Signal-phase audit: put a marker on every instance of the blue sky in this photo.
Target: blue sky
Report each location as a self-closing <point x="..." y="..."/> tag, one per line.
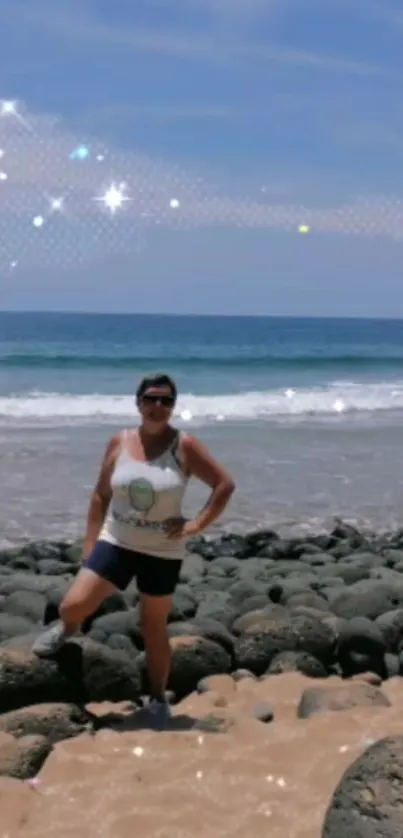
<point x="226" y="125"/>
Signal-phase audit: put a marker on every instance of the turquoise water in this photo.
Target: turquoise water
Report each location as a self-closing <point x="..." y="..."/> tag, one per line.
<point x="76" y="367"/>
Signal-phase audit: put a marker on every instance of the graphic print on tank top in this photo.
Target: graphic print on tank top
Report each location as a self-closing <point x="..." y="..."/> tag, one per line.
<point x="141" y="495"/>
<point x="146" y="493"/>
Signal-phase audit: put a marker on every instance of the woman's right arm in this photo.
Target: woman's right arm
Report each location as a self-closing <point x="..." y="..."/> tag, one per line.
<point x="101" y="496"/>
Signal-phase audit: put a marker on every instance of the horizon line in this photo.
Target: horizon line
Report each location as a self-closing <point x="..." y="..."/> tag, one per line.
<point x="74" y="313"/>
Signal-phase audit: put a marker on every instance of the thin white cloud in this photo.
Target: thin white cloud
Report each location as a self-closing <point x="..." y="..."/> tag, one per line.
<point x="230" y="15"/>
<point x="383" y="11"/>
<point x="367" y="134"/>
<point x="243" y="8"/>
<point x="159" y="113"/>
<point x="78" y="26"/>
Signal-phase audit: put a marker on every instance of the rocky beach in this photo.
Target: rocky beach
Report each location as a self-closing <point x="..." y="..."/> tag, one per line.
<point x="285" y="692"/>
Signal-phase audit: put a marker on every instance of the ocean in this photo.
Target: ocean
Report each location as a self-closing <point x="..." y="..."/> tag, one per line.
<point x="306" y="413"/>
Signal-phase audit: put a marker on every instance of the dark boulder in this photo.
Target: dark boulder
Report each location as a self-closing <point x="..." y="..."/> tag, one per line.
<point x="11" y="626"/>
<point x="287" y="589"/>
<point x="259" y="620"/>
<point x="53" y="721"/>
<point x="209" y="629"/>
<point x="82" y="671"/>
<point x="361" y="648"/>
<point x="256" y="647"/>
<point x="193" y="567"/>
<point x="53" y="567"/>
<point x="252" y="603"/>
<point x="366" y="599"/>
<point x="310" y="600"/>
<point x="122" y="644"/>
<point x="119" y="622"/>
<point x="195" y="658"/>
<point x="392" y="666"/>
<point x="368" y="801"/>
<point x="297" y="662"/>
<point x="184" y="604"/>
<point x="225" y="567"/>
<point x="217" y="605"/>
<point x="391" y="627"/>
<point x="32" y="582"/>
<point x="26" y="604"/>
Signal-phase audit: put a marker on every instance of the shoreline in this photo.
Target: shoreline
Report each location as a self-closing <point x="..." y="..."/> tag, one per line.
<point x="279" y="641"/>
<point x="312" y="529"/>
<point x="315" y="529"/>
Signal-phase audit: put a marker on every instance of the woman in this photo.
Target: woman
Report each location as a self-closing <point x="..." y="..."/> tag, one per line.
<point x="135" y="526"/>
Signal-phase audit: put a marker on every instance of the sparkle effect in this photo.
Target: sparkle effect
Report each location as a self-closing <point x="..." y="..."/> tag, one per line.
<point x="56" y="204"/>
<point x="114" y="197"/>
<point x="8" y="107"/>
<point x="51" y="179"/>
<point x="82" y="152"/>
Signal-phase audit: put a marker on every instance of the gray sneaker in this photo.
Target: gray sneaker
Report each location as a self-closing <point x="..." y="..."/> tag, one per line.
<point x="160" y="713"/>
<point x="50" y="641"/>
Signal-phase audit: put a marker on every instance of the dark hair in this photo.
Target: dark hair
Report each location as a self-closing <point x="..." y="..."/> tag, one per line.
<point x="159" y="380"/>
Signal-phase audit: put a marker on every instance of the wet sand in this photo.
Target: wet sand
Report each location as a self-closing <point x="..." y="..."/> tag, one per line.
<point x="253" y="781"/>
<point x="305" y="472"/>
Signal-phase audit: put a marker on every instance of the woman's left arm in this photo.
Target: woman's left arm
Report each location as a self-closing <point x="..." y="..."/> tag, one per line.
<point x="199" y="463"/>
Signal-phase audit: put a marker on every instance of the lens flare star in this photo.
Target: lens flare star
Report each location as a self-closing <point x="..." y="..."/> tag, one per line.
<point x="82" y="152"/>
<point x="56" y="204"/>
<point x="114" y="197"/>
<point x="9" y="109"/>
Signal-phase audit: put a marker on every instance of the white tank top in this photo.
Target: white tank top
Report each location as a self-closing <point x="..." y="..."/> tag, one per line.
<point x="144" y="494"/>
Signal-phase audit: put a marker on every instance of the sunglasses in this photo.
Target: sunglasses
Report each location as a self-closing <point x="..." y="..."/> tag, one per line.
<point x="165" y="401"/>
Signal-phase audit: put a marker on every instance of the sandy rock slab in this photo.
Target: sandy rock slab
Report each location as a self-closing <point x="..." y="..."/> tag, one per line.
<point x="15" y="803"/>
<point x="290" y="777"/>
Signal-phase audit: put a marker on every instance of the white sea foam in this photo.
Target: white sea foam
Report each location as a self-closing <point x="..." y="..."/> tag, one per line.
<point x="333" y="400"/>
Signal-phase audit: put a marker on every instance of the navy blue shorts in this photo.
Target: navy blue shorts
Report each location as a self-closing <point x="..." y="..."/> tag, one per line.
<point x="154" y="576"/>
